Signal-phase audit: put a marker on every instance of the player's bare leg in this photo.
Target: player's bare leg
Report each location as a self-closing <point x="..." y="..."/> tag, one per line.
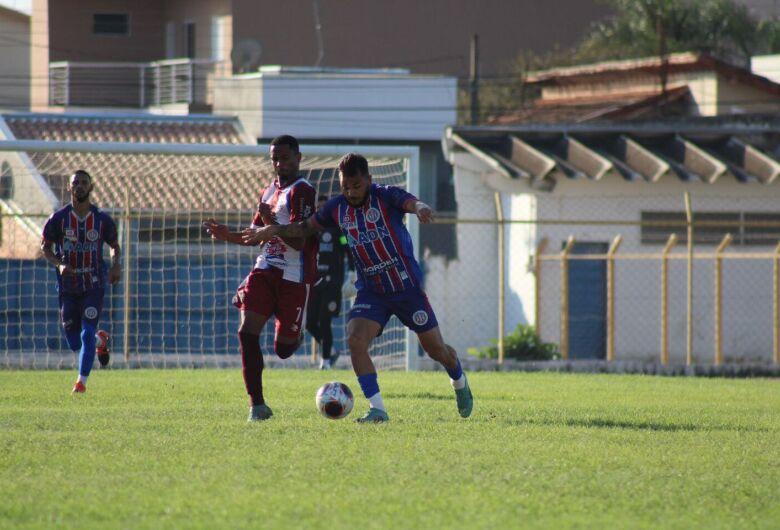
<point x="252" y="363"/>
<point x="360" y="333"/>
<point x="434" y="345"/>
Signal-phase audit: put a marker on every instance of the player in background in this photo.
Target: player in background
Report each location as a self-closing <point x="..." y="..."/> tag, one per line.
<point x="333" y="258"/>
<point x="370" y="217"/>
<point x="280" y="281"/>
<point x="72" y="242"/>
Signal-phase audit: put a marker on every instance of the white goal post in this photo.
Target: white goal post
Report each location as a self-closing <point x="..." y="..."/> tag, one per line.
<point x="172" y="307"/>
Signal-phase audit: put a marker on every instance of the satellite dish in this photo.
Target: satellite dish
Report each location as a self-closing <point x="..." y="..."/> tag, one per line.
<point x="246" y="55"/>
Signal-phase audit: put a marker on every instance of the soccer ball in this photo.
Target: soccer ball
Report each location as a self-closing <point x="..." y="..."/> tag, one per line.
<point x="334" y="400"/>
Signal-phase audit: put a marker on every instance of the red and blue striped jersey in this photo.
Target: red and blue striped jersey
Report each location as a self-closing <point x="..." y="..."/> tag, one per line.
<point x="79" y="242"/>
<point x="376" y="235"/>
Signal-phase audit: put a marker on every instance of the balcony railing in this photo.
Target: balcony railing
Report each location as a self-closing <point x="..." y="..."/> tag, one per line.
<point x="138" y="85"/>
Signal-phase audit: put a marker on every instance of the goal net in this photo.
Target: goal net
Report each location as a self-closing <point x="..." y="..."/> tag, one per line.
<point x="172" y="307"/>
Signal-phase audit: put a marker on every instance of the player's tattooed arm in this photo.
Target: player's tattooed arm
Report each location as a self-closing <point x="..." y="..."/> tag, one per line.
<point x="420" y="209"/>
<point x="299" y="229"/>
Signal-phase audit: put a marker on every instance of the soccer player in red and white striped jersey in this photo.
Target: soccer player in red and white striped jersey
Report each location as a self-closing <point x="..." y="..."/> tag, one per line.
<point x="389" y="277"/>
<point x="280" y="282"/>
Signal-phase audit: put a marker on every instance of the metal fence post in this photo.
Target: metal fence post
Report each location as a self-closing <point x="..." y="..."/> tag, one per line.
<point x="565" y="297"/>
<point x="128" y="236"/>
<point x="501" y="287"/>
<point x="611" y="297"/>
<point x="689" y="319"/>
<point x="719" y="298"/>
<point x="540" y="248"/>
<point x="671" y="242"/>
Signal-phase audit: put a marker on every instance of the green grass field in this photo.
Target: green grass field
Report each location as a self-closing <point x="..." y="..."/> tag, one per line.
<point x="172" y="449"/>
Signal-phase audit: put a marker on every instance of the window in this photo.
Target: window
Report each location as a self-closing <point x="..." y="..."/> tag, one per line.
<point x="189" y="40"/>
<point x="746" y="228"/>
<point x="6" y="181"/>
<point x="111" y="24"/>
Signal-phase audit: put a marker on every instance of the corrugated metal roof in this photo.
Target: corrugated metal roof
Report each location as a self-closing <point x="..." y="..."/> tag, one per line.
<point x="694" y="150"/>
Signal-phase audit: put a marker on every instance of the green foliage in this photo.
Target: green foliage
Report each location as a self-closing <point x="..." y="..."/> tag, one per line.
<point x="522" y="344"/>
<point x="645" y="28"/>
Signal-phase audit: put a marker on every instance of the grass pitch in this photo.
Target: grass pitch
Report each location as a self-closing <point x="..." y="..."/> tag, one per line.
<point x="172" y="449"/>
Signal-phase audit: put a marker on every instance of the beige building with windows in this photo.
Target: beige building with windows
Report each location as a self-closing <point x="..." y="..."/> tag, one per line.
<point x="15" y="59"/>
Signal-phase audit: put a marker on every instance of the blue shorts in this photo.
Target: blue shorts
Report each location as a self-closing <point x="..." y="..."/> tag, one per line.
<point x="76" y="308"/>
<point x="410" y="306"/>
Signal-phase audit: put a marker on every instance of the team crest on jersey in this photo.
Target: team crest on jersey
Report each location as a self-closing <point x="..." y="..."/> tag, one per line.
<point x="332" y="307"/>
<point x="420" y="317"/>
<point x="90" y="312"/>
<point x="372" y="215"/>
<point x="326" y="237"/>
<point x="92" y="235"/>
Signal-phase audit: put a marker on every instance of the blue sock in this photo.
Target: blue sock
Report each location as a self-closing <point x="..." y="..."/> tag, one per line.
<point x="74" y="339"/>
<point x="87" y="354"/>
<point x="368" y="384"/>
<point x="456" y="372"/>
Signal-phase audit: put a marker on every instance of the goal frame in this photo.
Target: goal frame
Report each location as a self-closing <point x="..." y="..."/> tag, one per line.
<point x="409" y="152"/>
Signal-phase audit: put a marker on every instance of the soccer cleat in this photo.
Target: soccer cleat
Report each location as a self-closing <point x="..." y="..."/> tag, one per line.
<point x="465" y="400"/>
<point x="325" y="364"/>
<point x="101" y="348"/>
<point x="259" y="412"/>
<point x="374" y="416"/>
<point x="79" y="388"/>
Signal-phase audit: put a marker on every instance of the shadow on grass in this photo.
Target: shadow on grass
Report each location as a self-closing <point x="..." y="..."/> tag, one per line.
<point x="420" y="395"/>
<point x="604" y="423"/>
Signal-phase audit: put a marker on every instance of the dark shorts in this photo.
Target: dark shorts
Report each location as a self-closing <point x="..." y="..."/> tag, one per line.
<point x="266" y="293"/>
<point x="76" y="308"/>
<point x="410" y="306"/>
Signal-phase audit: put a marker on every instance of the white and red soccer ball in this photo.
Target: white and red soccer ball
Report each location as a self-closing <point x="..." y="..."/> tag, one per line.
<point x="334" y="400"/>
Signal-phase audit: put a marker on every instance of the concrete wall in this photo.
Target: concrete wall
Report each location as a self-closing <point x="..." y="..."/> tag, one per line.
<point x="428" y="37"/>
<point x="15" y="60"/>
<point x="464" y="291"/>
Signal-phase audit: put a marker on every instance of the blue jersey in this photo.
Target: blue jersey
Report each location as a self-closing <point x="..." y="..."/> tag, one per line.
<point x="379" y="241"/>
<point x="78" y="243"/>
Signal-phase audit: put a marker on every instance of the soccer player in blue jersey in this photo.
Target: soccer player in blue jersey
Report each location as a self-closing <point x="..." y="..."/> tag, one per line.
<point x="389" y="279"/>
<point x="73" y="240"/>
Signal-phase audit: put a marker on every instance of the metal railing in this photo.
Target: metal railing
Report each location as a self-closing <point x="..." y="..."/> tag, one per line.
<point x="132" y="84"/>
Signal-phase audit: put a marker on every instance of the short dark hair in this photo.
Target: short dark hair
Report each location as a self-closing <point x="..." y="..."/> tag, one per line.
<point x="82" y="172"/>
<point x="288" y="140"/>
<point x="353" y="164"/>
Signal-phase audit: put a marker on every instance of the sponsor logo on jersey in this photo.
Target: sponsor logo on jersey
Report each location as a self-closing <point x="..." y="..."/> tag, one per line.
<point x="92" y="235"/>
<point x="380" y="267"/>
<point x="70" y="234"/>
<point x="372" y="215"/>
<point x="90" y="312"/>
<point x="420" y="317"/>
<point x="361" y="306"/>
<point x="69" y="246"/>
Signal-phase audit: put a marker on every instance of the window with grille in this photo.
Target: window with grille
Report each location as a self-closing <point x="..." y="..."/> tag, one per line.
<point x="746" y="228"/>
<point x="111" y="24"/>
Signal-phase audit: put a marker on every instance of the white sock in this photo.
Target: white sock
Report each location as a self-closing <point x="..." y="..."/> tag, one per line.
<point x="459" y="383"/>
<point x="376" y="402"/>
<point x="83" y="379"/>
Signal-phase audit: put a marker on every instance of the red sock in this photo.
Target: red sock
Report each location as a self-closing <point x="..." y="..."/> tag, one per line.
<point x="252" y="364"/>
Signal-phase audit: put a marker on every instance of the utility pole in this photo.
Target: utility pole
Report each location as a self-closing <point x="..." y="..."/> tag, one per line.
<point x="474" y="79"/>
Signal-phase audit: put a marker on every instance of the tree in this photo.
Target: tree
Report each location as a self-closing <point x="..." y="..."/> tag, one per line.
<point x="645" y="28"/>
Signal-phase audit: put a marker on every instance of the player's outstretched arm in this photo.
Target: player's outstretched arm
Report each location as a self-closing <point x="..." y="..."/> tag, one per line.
<point x="221" y="232"/>
<point x="300" y="229"/>
<point x="423" y="212"/>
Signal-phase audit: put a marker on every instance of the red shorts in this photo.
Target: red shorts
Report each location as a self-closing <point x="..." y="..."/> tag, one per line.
<point x="266" y="293"/>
